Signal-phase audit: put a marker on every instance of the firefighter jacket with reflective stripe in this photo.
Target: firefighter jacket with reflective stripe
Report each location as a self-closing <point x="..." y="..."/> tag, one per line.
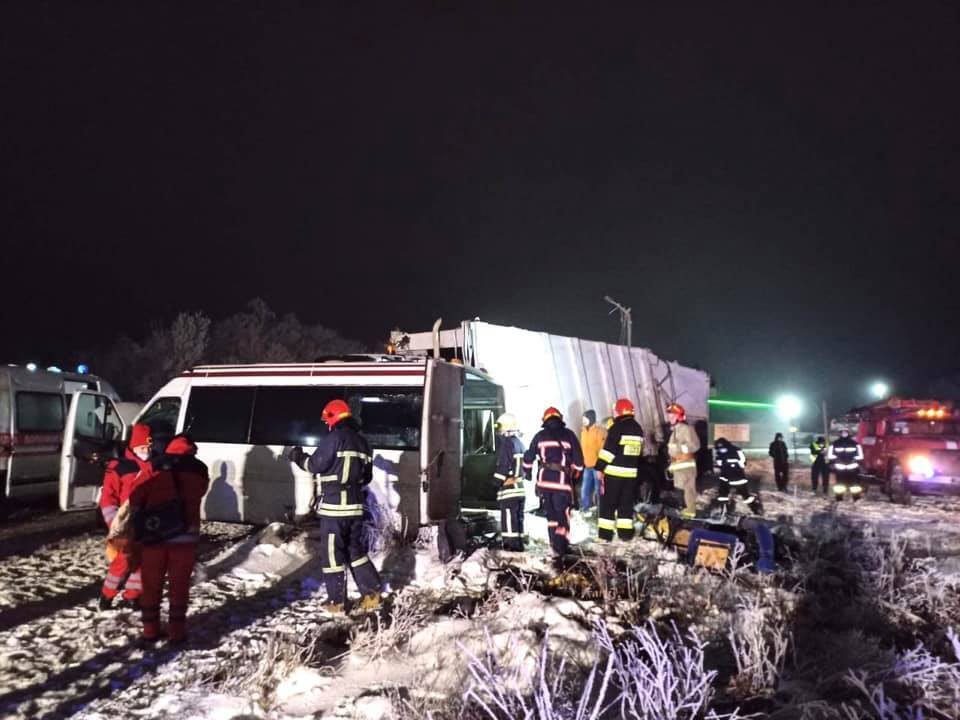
<point x="683" y="445"/>
<point x="730" y="462"/>
<point x="557" y="450"/>
<point x="845" y="454"/>
<point x="622" y="450"/>
<point x="343" y="465"/>
<point x="509" y="469"/>
<point x="118" y="482"/>
<point x="818" y="451"/>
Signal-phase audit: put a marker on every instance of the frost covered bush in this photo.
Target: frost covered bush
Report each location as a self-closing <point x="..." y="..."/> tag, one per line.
<point x="918" y="681"/>
<point x="378" y="638"/>
<point x="759" y="637"/>
<point x="648" y="675"/>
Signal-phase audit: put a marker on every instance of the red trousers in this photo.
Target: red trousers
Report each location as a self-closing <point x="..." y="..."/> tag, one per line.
<point x="118" y="574"/>
<point x="173" y="562"/>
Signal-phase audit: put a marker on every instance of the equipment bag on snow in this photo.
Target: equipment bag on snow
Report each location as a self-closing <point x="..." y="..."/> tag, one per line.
<point x="711" y="549"/>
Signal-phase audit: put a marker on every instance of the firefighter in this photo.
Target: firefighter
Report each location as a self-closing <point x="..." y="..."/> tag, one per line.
<point x="618" y="464"/>
<point x="818" y="467"/>
<point x="731" y="468"/>
<point x="683" y="446"/>
<point x="844" y="457"/>
<point x="781" y="461"/>
<point x="177" y="486"/>
<point x="592" y="437"/>
<point x="343" y="463"/>
<point x="509" y="477"/>
<point x="118" y="481"/>
<point x="558" y="451"/>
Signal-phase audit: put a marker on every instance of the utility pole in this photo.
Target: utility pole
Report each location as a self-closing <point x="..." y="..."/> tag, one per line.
<point x="626" y="321"/>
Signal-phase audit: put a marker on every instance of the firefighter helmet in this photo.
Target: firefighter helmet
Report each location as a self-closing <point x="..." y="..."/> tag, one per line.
<point x="677" y="410"/>
<point x="622" y="407"/>
<point x="334" y="412"/>
<point x="552" y="412"/>
<point x="507" y="422"/>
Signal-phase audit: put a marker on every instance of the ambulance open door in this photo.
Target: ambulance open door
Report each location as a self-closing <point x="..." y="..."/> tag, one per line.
<point x="94" y="429"/>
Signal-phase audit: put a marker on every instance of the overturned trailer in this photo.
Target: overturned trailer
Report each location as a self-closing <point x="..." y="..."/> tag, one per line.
<point x="537" y="370"/>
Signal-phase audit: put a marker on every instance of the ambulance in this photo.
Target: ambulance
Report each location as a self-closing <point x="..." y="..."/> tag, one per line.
<point x="33" y="408"/>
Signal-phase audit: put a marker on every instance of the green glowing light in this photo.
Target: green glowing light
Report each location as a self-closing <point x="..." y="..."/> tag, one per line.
<point x="741" y="403"/>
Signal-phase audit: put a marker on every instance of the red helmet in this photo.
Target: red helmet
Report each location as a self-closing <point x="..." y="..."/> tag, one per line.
<point x="677" y="410"/>
<point x="334" y="412"/>
<point x="622" y="407"/>
<point x="551" y="412"/>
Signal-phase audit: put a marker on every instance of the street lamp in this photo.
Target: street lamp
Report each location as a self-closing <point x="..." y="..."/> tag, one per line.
<point x="789" y="407"/>
<point x="879" y="389"/>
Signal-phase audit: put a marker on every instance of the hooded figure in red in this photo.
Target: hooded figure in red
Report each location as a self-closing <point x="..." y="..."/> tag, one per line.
<point x="183" y="479"/>
<point x="119" y="480"/>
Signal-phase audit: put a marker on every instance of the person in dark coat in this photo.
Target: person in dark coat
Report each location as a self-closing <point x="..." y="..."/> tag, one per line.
<point x="781" y="462"/>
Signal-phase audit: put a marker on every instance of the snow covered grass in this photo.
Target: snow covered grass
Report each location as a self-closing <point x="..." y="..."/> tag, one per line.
<point x="650" y="674"/>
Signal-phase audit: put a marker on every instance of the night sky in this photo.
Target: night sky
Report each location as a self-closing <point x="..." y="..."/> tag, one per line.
<point x="775" y="192"/>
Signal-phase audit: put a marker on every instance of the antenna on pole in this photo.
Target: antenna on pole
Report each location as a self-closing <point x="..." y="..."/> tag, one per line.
<point x="626" y="321"/>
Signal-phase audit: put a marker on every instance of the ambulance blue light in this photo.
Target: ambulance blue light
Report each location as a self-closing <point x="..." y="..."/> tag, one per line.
<point x="82" y="369"/>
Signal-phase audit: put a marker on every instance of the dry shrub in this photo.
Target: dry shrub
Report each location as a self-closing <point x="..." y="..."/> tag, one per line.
<point x="649" y="675"/>
<point x="377" y="638"/>
<point x="759" y="636"/>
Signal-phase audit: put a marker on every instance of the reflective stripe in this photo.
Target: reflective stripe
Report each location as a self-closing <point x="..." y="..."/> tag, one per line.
<point x="360" y="561"/>
<point x="352" y="454"/>
<point x="606" y="524"/>
<point x="329" y="478"/>
<point x="578" y="468"/>
<point x="109" y="513"/>
<point x="750" y="499"/>
<point x="331" y="506"/>
<point x="606" y="455"/>
<point x="345" y="472"/>
<point x="509" y="523"/>
<point x="737" y="483"/>
<point x="631" y="439"/>
<point x="511" y="493"/>
<point x="554" y="486"/>
<point x="839" y="489"/>
<point x="332" y="555"/>
<point x="682" y="465"/>
<point x="500" y="476"/>
<point x="856" y="489"/>
<point x="722" y="499"/>
<point x="625" y="523"/>
<point x="620" y="471"/>
<point x="511" y="535"/>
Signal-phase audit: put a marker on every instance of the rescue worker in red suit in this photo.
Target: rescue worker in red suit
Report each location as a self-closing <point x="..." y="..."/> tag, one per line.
<point x="179" y="476"/>
<point x="344" y="466"/>
<point x="618" y="464"/>
<point x="118" y="481"/>
<point x="558" y="452"/>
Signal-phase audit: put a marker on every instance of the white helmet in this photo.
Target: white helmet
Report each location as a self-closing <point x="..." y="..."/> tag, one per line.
<point x="508" y="423"/>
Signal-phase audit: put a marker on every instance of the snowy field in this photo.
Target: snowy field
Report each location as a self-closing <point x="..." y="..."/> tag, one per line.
<point x="855" y="624"/>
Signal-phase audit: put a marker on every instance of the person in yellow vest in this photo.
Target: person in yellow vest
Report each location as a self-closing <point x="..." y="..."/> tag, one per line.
<point x="591" y="440"/>
<point x="683" y="446"/>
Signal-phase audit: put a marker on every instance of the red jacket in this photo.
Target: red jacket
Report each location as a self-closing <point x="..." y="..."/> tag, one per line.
<point x="118" y="482"/>
<point x="180" y="474"/>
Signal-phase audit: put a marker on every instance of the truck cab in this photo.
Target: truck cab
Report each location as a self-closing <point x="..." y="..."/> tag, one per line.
<point x="910" y="447"/>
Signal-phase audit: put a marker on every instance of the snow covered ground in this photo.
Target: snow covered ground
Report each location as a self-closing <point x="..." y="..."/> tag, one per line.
<point x="261" y="646"/>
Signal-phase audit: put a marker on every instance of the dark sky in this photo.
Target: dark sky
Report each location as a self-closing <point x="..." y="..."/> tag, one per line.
<point x="775" y="192"/>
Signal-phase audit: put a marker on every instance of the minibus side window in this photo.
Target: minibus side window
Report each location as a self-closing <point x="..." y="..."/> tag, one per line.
<point x="389" y="418"/>
<point x="164" y="412"/>
<point x="219" y="414"/>
<point x="290" y="415"/>
<point x="39" y="412"/>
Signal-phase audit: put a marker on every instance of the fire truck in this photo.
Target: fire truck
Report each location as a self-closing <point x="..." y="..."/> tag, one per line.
<point x="910" y="446"/>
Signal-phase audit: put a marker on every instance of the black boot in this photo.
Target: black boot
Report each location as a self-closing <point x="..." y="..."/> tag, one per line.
<point x="129" y="604"/>
<point x="105" y="603"/>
